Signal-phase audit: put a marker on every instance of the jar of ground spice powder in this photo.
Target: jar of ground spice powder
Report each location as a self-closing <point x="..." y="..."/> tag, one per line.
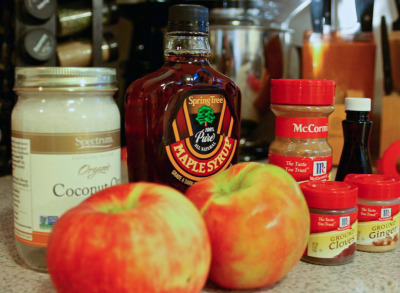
<point x="333" y="219"/>
<point x="378" y="211"/>
<point x="301" y="108"/>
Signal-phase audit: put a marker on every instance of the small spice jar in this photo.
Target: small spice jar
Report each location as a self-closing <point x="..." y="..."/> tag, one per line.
<point x="79" y="52"/>
<point x="65" y="147"/>
<point x="301" y="108"/>
<point x="333" y="219"/>
<point x="378" y="211"/>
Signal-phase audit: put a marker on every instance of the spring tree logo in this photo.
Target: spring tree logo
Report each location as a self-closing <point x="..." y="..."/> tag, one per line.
<point x="205" y="115"/>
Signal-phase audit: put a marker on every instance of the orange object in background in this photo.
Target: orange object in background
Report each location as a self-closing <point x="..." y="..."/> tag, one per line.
<point x="350" y="63"/>
<point x="389" y="163"/>
<point x="347" y="61"/>
<point x="394" y="43"/>
<point x="390" y="126"/>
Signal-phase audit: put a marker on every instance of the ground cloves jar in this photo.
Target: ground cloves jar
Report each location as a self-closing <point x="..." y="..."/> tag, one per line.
<point x="333" y="220"/>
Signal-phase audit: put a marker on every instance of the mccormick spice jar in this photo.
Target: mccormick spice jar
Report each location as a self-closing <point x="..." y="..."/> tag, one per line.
<point x="301" y="109"/>
<point x="378" y="211"/>
<point x="65" y="147"/>
<point x="333" y="219"/>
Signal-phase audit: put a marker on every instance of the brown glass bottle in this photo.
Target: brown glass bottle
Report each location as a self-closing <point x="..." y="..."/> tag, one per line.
<point x="355" y="158"/>
<point x="182" y="121"/>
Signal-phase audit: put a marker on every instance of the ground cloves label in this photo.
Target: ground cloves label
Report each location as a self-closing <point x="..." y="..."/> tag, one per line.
<point x="332" y="236"/>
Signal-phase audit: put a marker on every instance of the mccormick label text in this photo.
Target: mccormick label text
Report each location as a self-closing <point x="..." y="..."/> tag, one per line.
<point x="301" y="127"/>
<point x="304" y="168"/>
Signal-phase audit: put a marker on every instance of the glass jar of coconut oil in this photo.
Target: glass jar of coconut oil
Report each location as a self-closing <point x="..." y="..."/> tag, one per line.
<point x="65" y="147"/>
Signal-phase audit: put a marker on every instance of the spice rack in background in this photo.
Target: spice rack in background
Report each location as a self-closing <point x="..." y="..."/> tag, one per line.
<point x="81" y="36"/>
<point x="49" y="33"/>
<point x="35" y="28"/>
<point x="64" y="33"/>
<point x="7" y="99"/>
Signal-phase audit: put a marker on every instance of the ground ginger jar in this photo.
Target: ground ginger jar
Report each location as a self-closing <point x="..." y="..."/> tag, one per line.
<point x="378" y="211"/>
<point x="301" y="108"/>
<point x="333" y="222"/>
<point x="65" y="147"/>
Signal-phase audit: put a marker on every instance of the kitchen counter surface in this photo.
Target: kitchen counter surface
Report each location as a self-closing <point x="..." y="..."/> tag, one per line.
<point x="369" y="272"/>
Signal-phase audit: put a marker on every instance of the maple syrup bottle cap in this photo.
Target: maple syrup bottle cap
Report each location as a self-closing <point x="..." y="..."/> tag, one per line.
<point x="357" y="104"/>
<point x="188" y="17"/>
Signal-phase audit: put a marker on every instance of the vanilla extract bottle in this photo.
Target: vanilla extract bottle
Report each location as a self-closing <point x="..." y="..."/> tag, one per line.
<point x="355" y="158"/>
<point x="182" y="121"/>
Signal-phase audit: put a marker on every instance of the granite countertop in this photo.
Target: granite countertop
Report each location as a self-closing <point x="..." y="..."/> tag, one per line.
<point x="369" y="272"/>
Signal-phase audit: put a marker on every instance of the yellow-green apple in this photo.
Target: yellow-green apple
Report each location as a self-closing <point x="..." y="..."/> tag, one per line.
<point x="258" y="223"/>
<point x="137" y="237"/>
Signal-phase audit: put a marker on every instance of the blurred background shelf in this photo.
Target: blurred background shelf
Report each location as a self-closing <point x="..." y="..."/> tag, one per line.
<point x="252" y="41"/>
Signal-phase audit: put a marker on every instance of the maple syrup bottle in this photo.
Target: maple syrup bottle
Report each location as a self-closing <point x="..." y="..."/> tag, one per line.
<point x="182" y="121"/>
<point x="355" y="158"/>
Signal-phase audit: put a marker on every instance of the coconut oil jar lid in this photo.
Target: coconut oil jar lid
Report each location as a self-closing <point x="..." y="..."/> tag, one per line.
<point x="65" y="79"/>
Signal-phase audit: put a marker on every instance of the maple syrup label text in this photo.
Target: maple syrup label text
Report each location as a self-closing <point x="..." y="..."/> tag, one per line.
<point x="202" y="129"/>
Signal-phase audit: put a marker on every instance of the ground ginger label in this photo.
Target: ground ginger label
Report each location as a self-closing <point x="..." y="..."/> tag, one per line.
<point x="378" y="225"/>
<point x="332" y="236"/>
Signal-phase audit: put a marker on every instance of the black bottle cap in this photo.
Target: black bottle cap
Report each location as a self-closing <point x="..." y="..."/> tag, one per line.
<point x="39" y="9"/>
<point x="39" y="45"/>
<point x="187" y="17"/>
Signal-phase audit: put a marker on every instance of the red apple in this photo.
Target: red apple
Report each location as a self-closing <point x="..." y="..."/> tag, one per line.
<point x="258" y="223"/>
<point x="137" y="237"/>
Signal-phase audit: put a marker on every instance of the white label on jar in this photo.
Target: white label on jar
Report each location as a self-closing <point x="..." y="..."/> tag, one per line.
<point x="55" y="172"/>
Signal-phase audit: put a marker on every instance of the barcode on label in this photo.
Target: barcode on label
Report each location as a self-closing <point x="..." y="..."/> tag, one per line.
<point x="386" y="212"/>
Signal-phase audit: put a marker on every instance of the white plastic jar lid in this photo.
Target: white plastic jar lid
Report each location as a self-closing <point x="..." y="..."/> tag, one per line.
<point x="357" y="104"/>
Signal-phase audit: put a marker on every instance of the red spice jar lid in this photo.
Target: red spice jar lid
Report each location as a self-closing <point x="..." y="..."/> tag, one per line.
<point x="303" y="91"/>
<point x="375" y="186"/>
<point x="329" y="194"/>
